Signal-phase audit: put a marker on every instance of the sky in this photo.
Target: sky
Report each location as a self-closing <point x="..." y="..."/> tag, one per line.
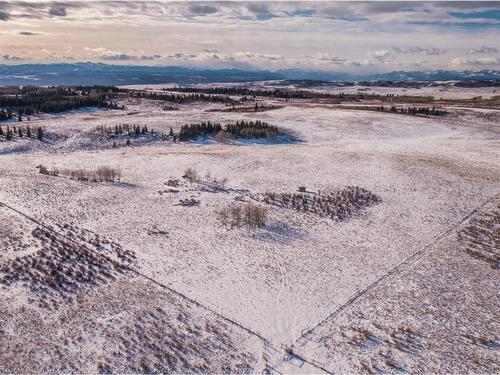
<point x="355" y="37"/>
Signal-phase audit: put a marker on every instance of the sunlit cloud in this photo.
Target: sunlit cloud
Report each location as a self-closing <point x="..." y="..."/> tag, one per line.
<point x="350" y="36"/>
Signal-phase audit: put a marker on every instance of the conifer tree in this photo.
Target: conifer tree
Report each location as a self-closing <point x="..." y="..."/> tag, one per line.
<point x="39" y="133"/>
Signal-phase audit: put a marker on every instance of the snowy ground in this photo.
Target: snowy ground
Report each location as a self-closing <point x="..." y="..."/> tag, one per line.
<point x="445" y="90"/>
<point x="280" y="280"/>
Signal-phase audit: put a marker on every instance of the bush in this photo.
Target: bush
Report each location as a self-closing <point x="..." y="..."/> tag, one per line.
<point x="102" y="174"/>
<point x="249" y="216"/>
<point x="191" y="175"/>
<point x="337" y="205"/>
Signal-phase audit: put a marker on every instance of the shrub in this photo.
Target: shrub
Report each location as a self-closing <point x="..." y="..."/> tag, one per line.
<point x="102" y="174"/>
<point x="191" y="175"/>
<point x="338" y="205"/>
<point x="249" y="216"/>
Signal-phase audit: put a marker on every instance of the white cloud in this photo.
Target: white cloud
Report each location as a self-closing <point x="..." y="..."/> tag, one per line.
<point x="415" y="50"/>
<point x="483" y="49"/>
<point x="308" y="34"/>
<point x="111" y="55"/>
<point x="381" y="53"/>
<point x="482" y="61"/>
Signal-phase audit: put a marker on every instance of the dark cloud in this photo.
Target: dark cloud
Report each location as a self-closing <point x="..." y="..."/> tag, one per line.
<point x="58" y="10"/>
<point x="202" y="9"/>
<point x="258" y="8"/>
<point x="10" y="58"/>
<point x="27" y="33"/>
<point x="4" y="16"/>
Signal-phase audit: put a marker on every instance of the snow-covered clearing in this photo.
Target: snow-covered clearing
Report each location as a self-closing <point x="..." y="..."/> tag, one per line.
<point x="279" y="280"/>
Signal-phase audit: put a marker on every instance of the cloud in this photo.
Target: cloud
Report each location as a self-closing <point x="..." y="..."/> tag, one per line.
<point x="331" y="59"/>
<point x="381" y="53"/>
<point x="483" y="49"/>
<point x="110" y="55"/>
<point x="4" y="16"/>
<point x="426" y="51"/>
<point x="180" y="31"/>
<point x="27" y="33"/>
<point x="129" y="57"/>
<point x="258" y="8"/>
<point x="488" y="61"/>
<point x="10" y="58"/>
<point x="58" y="10"/>
<point x="202" y="9"/>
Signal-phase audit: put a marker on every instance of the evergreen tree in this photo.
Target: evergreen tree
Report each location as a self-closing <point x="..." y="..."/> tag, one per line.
<point x="39" y="133"/>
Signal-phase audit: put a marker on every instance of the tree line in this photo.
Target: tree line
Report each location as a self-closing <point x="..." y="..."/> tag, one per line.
<point x="20" y="132"/>
<point x="247" y="92"/>
<point x="239" y="129"/>
<point x="181" y="98"/>
<point x="134" y="130"/>
<point x="426" y="111"/>
<point x="29" y="101"/>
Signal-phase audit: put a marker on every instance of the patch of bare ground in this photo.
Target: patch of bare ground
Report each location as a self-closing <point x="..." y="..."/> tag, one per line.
<point x="441" y="316"/>
<point x="129" y="326"/>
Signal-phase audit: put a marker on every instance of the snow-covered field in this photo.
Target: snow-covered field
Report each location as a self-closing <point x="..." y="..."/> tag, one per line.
<point x="276" y="282"/>
<point x="444" y="90"/>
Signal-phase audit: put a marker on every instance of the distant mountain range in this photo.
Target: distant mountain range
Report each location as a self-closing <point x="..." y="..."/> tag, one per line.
<point x="103" y="74"/>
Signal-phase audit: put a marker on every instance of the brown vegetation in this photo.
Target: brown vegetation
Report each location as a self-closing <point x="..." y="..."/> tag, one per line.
<point x="480" y="239"/>
<point x="101" y="174"/>
<point x="61" y="267"/>
<point x="339" y="204"/>
<point x="249" y="216"/>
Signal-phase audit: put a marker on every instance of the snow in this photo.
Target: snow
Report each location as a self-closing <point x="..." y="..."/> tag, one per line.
<point x="288" y="276"/>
